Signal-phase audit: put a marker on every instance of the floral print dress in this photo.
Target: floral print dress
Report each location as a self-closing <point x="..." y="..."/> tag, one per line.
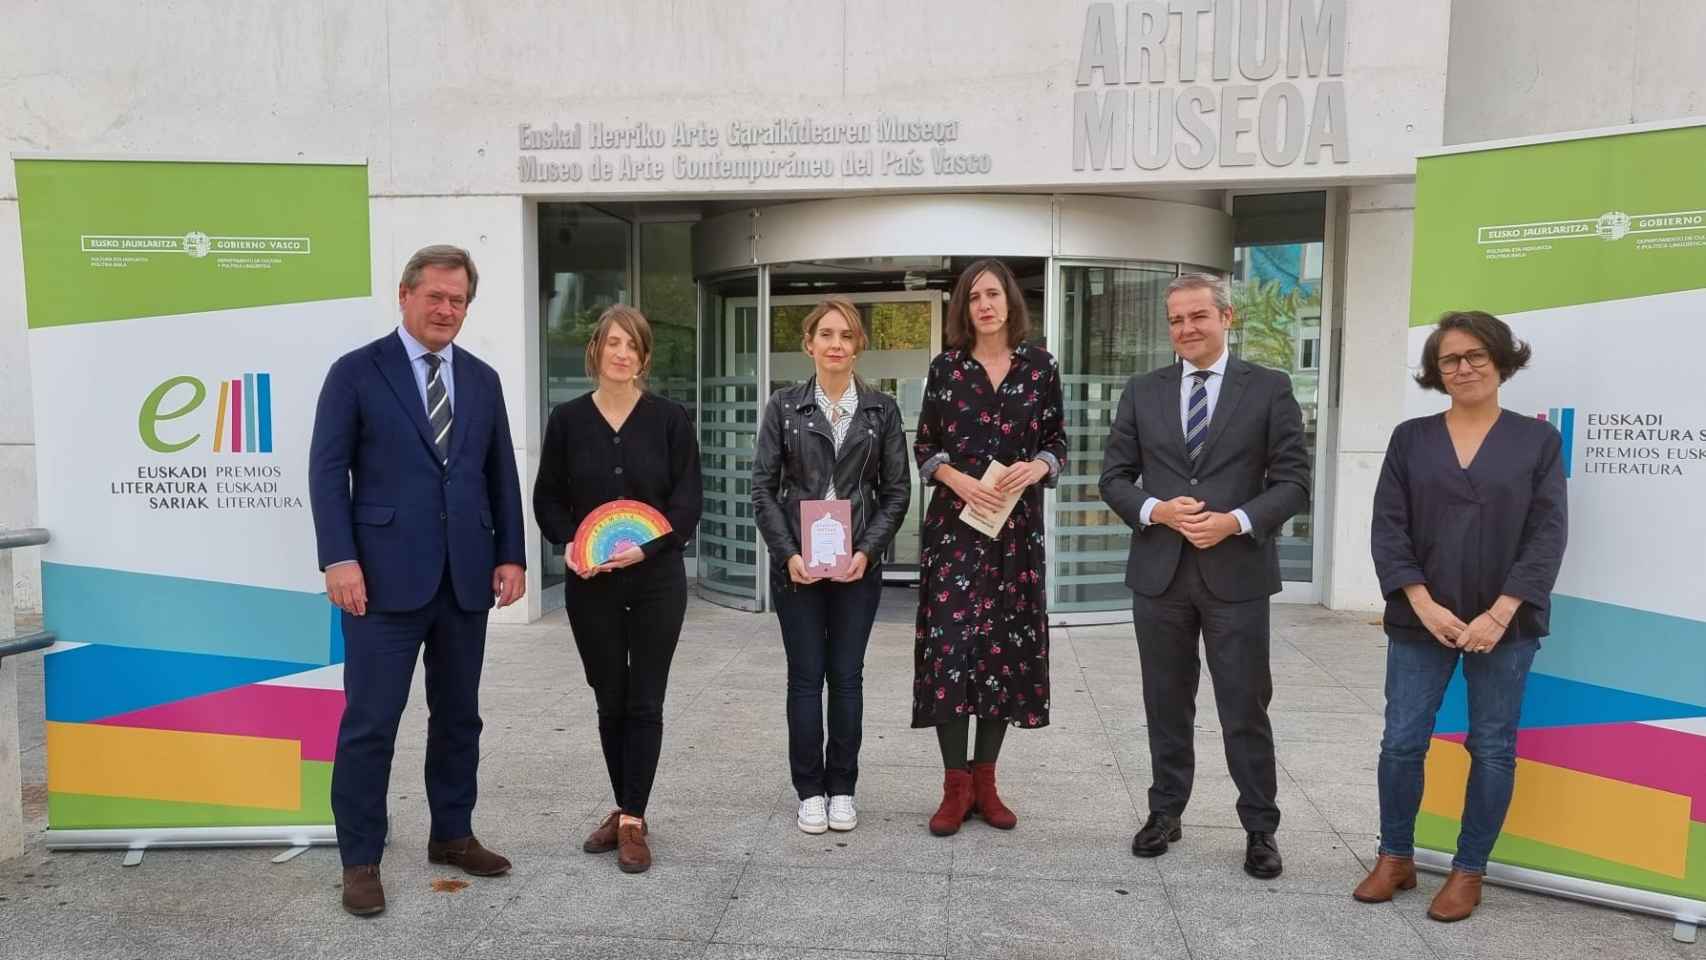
<point x="982" y="639"/>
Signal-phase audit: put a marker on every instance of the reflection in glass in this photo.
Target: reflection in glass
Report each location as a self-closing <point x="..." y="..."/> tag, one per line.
<point x="1113" y="324"/>
<point x="583" y="269"/>
<point x="1276" y="289"/>
<point x="728" y="431"/>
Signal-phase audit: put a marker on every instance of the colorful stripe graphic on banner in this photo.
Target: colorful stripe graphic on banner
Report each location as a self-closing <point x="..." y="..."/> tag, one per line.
<point x="1564" y="419"/>
<point x="244" y="412"/>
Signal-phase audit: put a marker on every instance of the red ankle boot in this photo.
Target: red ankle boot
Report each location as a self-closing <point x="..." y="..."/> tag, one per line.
<point x="986" y="802"/>
<point x="956" y="803"/>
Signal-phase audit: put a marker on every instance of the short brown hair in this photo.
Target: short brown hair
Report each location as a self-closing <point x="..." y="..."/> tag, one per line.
<point x="440" y="255"/>
<point x="848" y="311"/>
<point x="1507" y="352"/>
<point x="1200" y="281"/>
<point x="957" y="330"/>
<point x="634" y="324"/>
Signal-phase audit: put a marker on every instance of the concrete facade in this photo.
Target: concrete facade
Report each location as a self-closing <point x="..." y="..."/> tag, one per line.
<point x="436" y="95"/>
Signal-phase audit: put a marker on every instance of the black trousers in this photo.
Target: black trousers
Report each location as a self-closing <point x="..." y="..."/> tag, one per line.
<point x="826" y="627"/>
<point x="380" y="650"/>
<point x="626" y="624"/>
<point x="1235" y="640"/>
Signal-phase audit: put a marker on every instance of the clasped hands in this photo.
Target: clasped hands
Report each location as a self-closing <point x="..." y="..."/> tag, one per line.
<point x="991" y="499"/>
<point x="1479" y="635"/>
<point x="1195" y="522"/>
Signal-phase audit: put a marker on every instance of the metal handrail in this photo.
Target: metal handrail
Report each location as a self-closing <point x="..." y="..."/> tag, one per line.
<point x="41" y="639"/>
<point x="24" y="537"/>
<point x="28" y="643"/>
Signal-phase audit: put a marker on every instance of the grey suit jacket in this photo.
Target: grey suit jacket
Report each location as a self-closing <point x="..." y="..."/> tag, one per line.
<point x="1254" y="459"/>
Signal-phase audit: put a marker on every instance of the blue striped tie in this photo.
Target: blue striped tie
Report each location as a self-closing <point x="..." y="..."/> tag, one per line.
<point x="438" y="408"/>
<point x="1196" y="415"/>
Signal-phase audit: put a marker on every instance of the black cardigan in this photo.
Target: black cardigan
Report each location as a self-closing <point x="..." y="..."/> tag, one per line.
<point x="654" y="458"/>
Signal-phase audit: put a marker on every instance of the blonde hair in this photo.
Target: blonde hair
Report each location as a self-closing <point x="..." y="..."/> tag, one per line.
<point x="849" y="313"/>
<point x="634" y="324"/>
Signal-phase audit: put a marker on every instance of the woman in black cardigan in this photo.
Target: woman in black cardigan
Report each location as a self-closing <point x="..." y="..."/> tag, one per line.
<point x="621" y="442"/>
<point x="1469" y="530"/>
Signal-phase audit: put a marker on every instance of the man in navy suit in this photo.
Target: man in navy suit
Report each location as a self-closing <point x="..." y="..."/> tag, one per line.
<point x="417" y="513"/>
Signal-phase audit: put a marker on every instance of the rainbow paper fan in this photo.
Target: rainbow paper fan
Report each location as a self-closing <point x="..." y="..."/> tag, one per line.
<point x="613" y="528"/>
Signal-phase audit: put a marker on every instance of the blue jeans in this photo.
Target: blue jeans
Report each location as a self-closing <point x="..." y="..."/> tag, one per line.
<point x="825" y="629"/>
<point x="1418" y="667"/>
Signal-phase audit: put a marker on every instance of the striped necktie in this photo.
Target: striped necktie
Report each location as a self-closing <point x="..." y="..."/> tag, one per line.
<point x="1196" y="415"/>
<point x="438" y="407"/>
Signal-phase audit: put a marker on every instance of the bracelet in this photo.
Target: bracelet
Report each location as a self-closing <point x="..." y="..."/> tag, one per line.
<point x="1503" y="625"/>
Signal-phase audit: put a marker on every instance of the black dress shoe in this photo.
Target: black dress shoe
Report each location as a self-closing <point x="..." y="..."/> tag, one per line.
<point x="1158" y="831"/>
<point x="1262" y="856"/>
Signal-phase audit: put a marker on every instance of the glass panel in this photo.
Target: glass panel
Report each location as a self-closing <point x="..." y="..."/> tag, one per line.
<point x="728" y="430"/>
<point x="668" y="297"/>
<point x="1276" y="288"/>
<point x="584" y="268"/>
<point x="896" y="362"/>
<point x="1113" y="324"/>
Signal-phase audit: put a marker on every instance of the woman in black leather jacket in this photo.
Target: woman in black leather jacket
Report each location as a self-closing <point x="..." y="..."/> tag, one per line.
<point x="831" y="437"/>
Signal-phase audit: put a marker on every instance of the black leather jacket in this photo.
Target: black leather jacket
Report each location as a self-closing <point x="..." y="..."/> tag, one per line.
<point x="795" y="459"/>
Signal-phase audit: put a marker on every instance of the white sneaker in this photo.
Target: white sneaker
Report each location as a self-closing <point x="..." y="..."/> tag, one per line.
<point x="812" y="818"/>
<point x="843" y="815"/>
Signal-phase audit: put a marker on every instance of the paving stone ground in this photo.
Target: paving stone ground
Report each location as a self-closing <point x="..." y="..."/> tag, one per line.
<point x="735" y="879"/>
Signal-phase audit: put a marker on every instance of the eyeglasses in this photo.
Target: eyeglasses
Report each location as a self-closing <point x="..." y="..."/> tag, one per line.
<point x="1477" y="359"/>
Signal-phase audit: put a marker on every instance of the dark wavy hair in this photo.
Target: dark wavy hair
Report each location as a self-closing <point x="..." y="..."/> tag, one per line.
<point x="1507" y="352"/>
<point x="958" y="331"/>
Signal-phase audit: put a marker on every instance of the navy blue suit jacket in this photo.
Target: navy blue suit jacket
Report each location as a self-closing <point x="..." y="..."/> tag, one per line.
<point x="380" y="496"/>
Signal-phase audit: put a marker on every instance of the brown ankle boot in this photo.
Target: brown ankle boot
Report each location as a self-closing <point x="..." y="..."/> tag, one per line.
<point x="603" y="839"/>
<point x="1390" y="875"/>
<point x="987" y="802"/>
<point x="1458" y="898"/>
<point x="364" y="895"/>
<point x="632" y="853"/>
<point x="956" y="803"/>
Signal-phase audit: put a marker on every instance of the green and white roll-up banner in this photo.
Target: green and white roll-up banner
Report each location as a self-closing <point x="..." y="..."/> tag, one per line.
<point x="1593" y="247"/>
<point x="181" y="318"/>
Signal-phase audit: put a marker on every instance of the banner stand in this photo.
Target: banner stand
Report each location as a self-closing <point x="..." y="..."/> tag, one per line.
<point x="181" y="316"/>
<point x="1688" y="914"/>
<point x="138" y="840"/>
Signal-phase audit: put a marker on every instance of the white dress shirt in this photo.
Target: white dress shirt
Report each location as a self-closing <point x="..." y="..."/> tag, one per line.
<point x="1211" y="386"/>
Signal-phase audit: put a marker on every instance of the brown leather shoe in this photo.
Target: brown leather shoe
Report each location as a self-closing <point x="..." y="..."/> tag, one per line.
<point x="632" y="853"/>
<point x="603" y="838"/>
<point x="1458" y="898"/>
<point x="1390" y="875"/>
<point x="467" y="853"/>
<point x="986" y="802"/>
<point x="956" y="803"/>
<point x="364" y="895"/>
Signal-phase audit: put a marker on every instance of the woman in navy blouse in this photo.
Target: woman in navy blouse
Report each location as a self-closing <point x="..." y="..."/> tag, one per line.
<point x="1469" y="529"/>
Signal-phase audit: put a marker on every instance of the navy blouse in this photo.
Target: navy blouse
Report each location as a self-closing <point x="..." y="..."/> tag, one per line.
<point x="1471" y="534"/>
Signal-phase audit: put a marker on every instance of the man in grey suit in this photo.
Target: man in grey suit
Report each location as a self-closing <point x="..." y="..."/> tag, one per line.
<point x="1206" y="462"/>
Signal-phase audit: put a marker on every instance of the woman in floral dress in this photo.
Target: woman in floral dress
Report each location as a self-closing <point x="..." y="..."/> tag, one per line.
<point x="982" y="641"/>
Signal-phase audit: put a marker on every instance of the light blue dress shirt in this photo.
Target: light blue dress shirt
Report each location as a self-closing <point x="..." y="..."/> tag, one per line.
<point x="416" y="350"/>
